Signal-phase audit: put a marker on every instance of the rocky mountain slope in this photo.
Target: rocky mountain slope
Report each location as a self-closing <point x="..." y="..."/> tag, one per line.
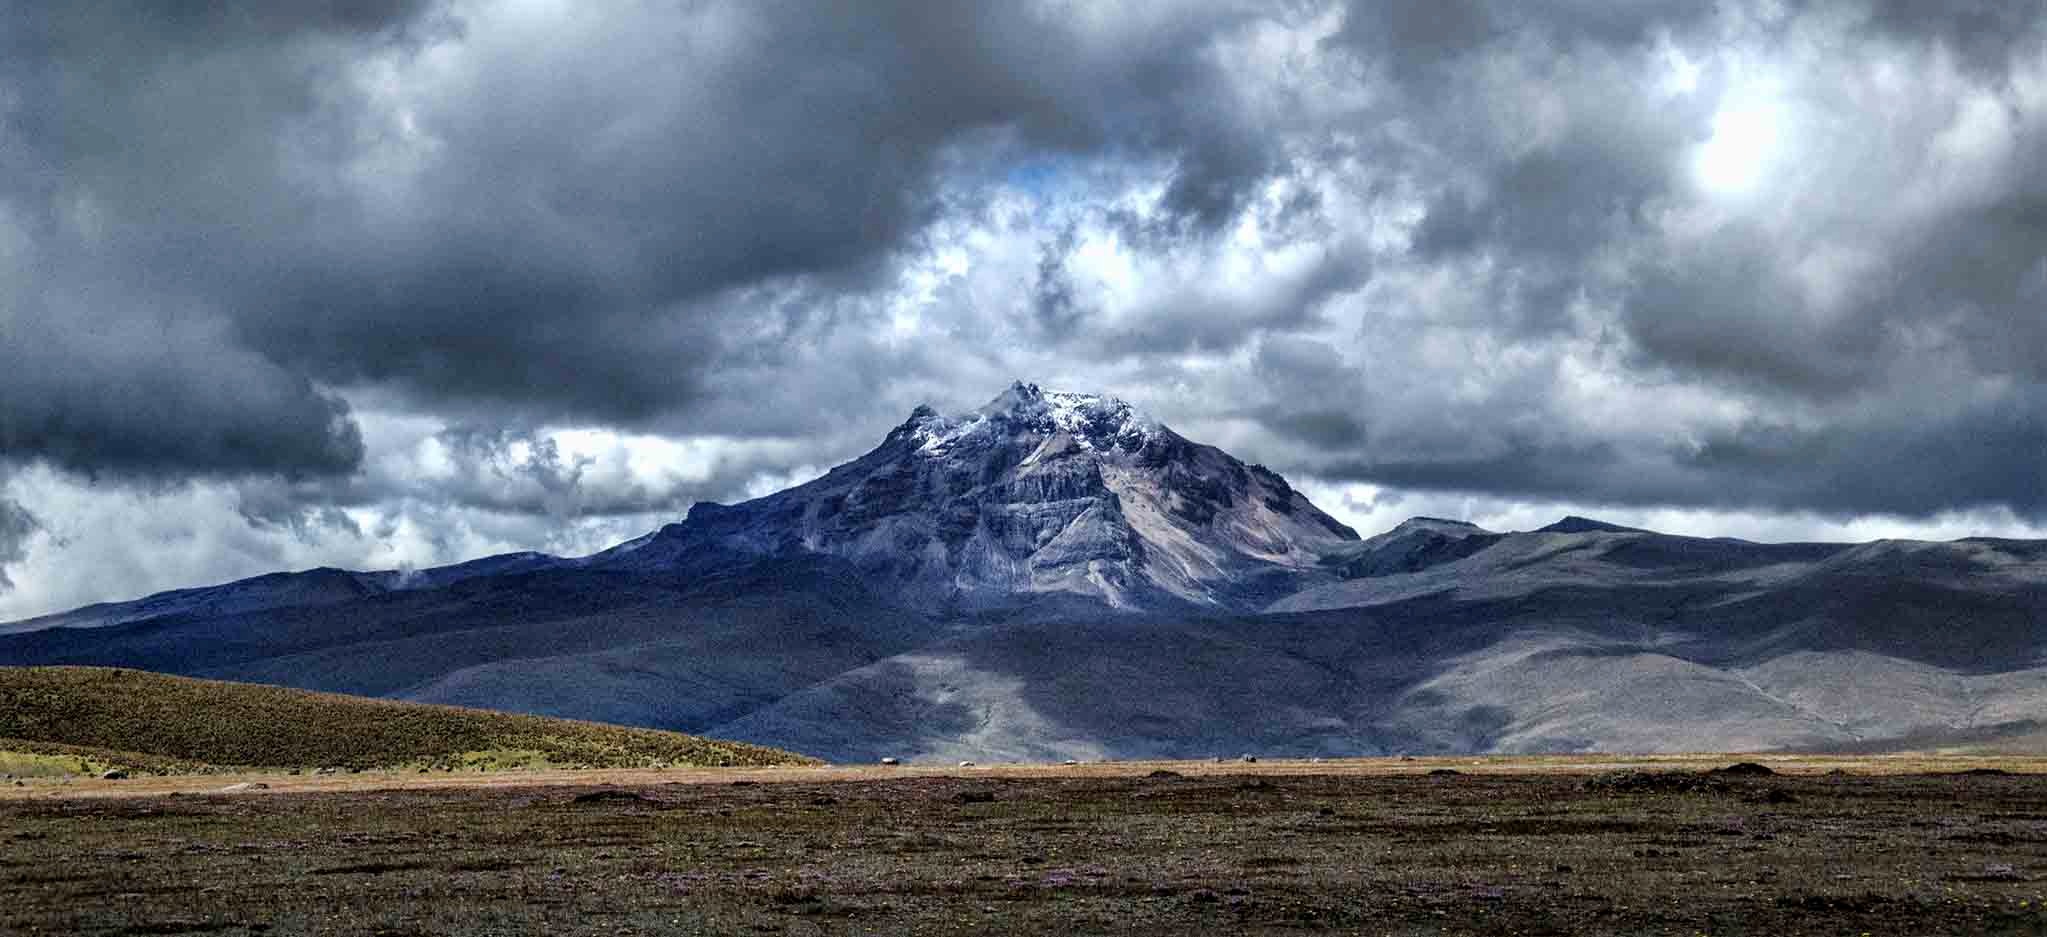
<point x="1037" y="492"/>
<point x="1601" y="639"/>
<point x="1058" y="576"/>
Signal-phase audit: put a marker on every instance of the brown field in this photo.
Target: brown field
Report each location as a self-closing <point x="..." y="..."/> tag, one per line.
<point x="1852" y="845"/>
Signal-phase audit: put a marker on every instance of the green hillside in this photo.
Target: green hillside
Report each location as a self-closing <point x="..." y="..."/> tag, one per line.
<point x="157" y="723"/>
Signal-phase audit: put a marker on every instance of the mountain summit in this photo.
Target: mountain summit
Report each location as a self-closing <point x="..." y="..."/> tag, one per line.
<point x="1038" y="492"/>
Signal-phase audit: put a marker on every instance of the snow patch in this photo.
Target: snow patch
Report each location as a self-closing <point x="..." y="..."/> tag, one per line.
<point x="1092" y="421"/>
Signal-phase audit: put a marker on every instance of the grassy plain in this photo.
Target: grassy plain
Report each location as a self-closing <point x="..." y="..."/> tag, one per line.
<point x="1567" y="845"/>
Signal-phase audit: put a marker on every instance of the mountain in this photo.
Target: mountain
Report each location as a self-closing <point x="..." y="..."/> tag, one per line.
<point x="281" y="590"/>
<point x="1036" y="493"/>
<point x="1057" y="575"/>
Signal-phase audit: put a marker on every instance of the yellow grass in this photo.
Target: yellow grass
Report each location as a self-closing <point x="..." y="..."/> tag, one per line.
<point x="158" y="723"/>
<point x="1896" y="764"/>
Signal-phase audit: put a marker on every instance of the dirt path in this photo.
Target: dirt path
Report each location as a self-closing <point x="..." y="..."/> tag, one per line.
<point x="277" y="782"/>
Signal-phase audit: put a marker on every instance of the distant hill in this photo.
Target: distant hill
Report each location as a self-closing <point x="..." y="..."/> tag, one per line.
<point x="1057" y="575"/>
<point x="155" y="722"/>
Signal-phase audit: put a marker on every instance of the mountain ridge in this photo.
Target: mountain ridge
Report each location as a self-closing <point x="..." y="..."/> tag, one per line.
<point x="1056" y="575"/>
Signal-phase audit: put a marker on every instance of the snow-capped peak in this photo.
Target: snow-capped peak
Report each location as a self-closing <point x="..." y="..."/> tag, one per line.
<point x="1091" y="420"/>
<point x="1037" y="492"/>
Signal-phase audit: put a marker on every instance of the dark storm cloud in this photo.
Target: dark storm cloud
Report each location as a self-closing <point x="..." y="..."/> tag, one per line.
<point x="1208" y="317"/>
<point x="1413" y="39"/>
<point x="1900" y="458"/>
<point x="115" y="362"/>
<point x="1965" y="299"/>
<point x="1534" y="202"/>
<point x="213" y="24"/>
<point x="1552" y="175"/>
<point x="1518" y="466"/>
<point x="16" y="526"/>
<point x="699" y="219"/>
<point x="562" y="222"/>
<point x="1311" y="388"/>
<point x="1721" y="310"/>
<point x="1984" y="35"/>
<point x="1052" y="296"/>
<point x="1985" y="271"/>
<point x="1918" y="457"/>
<point x="135" y="392"/>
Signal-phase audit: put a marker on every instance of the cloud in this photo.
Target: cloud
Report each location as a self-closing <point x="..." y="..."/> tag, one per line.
<point x="1942" y="450"/>
<point x="135" y="141"/>
<point x="1787" y="335"/>
<point x="519" y="209"/>
<point x="1413" y="40"/>
<point x="164" y="400"/>
<point x="1985" y="36"/>
<point x="16" y="526"/>
<point x="1311" y="388"/>
<point x="535" y="475"/>
<point x="472" y="273"/>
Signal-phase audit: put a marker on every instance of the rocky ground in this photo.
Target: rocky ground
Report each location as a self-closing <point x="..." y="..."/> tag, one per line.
<point x="1392" y="848"/>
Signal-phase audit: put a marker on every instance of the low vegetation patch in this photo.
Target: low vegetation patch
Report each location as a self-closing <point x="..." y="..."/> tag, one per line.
<point x="1655" y="782"/>
<point x="162" y="724"/>
<point x="1744" y="769"/>
<point x="889" y="853"/>
<point x="32" y="765"/>
<point x="23" y="757"/>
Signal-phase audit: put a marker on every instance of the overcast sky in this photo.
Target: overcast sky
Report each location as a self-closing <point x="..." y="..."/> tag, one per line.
<point x="403" y="282"/>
